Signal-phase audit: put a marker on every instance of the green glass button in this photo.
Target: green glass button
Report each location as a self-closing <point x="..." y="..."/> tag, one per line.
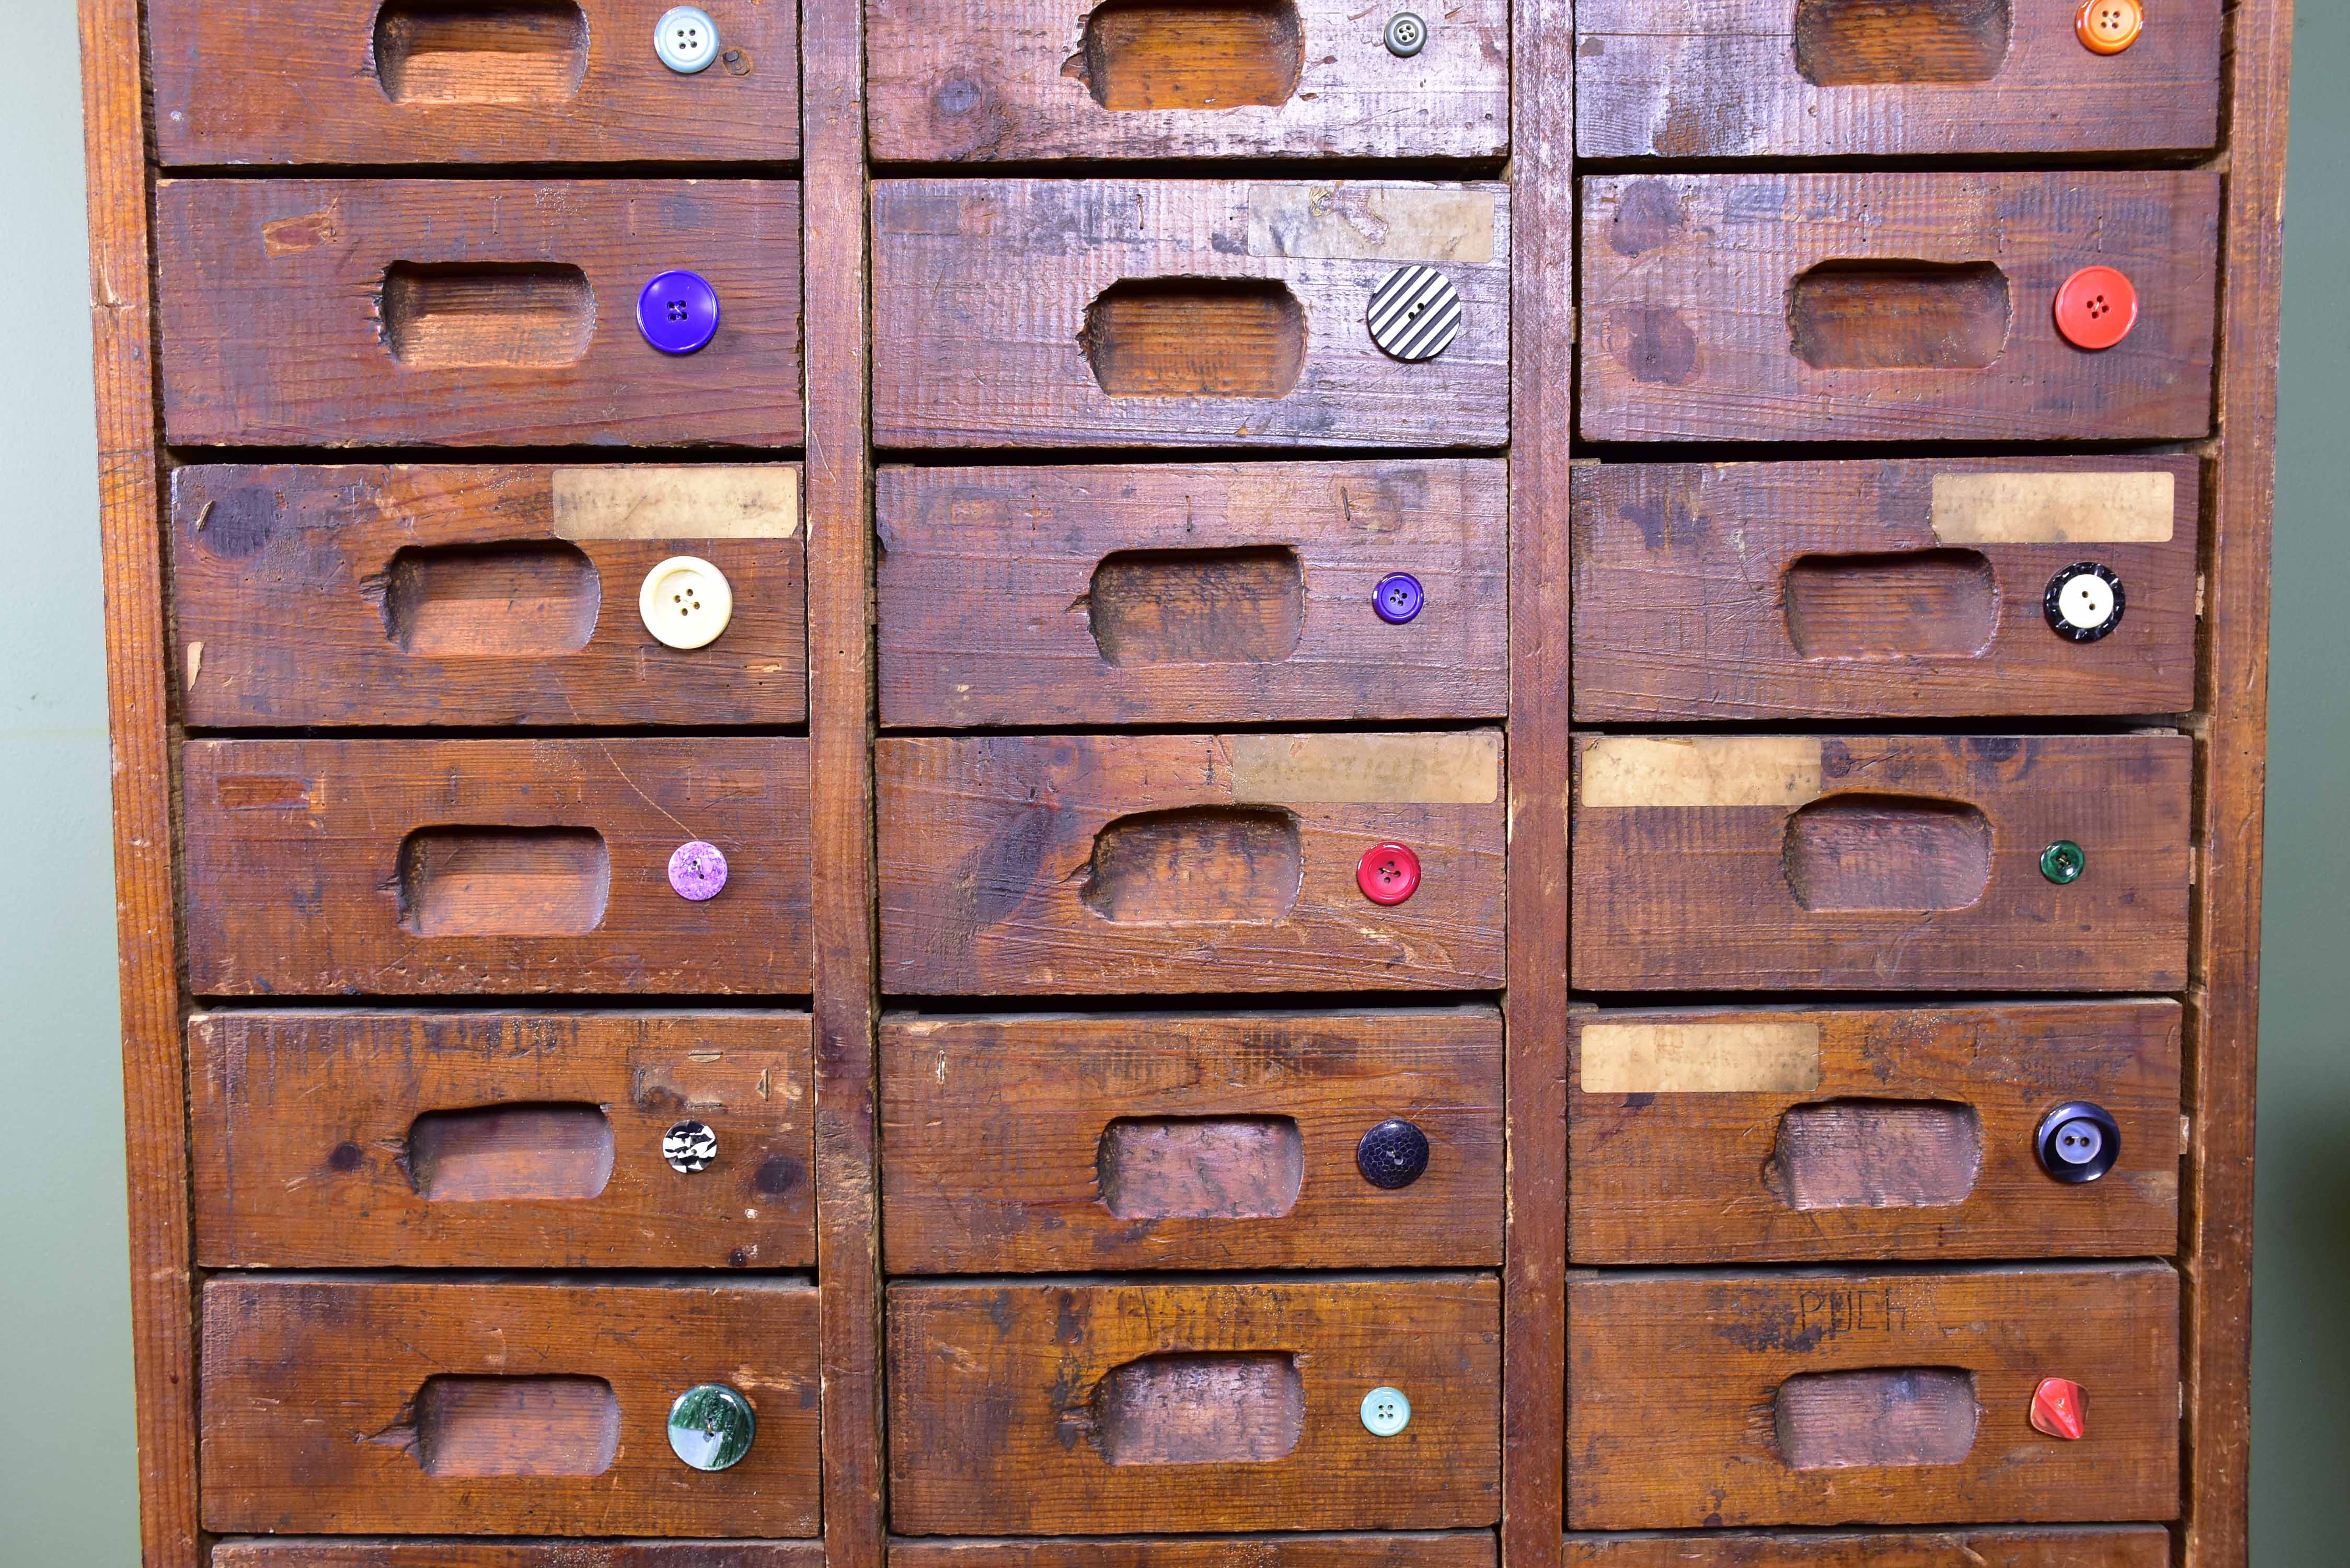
<point x="2062" y="862"/>
<point x="711" y="1427"/>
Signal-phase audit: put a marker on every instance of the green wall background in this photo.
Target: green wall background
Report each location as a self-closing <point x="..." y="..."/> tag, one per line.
<point x="67" y="1491"/>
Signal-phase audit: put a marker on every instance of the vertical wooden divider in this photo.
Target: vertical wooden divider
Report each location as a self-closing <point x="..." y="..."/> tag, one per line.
<point x="1541" y="422"/>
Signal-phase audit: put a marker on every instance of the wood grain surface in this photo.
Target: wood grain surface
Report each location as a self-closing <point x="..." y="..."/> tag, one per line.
<point x="432" y="81"/>
<point x="1939" y="293"/>
<point x="1221" y="593"/>
<point x="466" y="596"/>
<point x="1717" y="1175"/>
<point x="1148" y="863"/>
<point x="1421" y="1549"/>
<point x="1902" y="863"/>
<point x="317" y="1136"/>
<point x="1045" y="1142"/>
<point x="1801" y="590"/>
<point x="1765" y="78"/>
<point x="339" y="1404"/>
<point x="400" y="867"/>
<point x="1036" y="1407"/>
<point x="320" y="1553"/>
<point x="473" y="312"/>
<point x="2041" y="1546"/>
<point x="1674" y="1381"/>
<point x="960" y="80"/>
<point x="984" y="292"/>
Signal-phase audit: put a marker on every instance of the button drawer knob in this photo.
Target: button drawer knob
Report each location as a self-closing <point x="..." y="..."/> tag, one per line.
<point x="711" y="1427"/>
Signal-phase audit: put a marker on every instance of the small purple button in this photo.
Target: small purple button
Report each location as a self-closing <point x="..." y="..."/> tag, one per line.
<point x="1398" y="597"/>
<point x="697" y="871"/>
<point x="678" y="312"/>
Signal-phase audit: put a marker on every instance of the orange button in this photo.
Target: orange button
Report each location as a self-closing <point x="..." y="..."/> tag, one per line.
<point x="2109" y="26"/>
<point x="2096" y="307"/>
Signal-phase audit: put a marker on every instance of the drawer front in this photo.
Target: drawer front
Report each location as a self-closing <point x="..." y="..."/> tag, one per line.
<point x="2044" y="1546"/>
<point x="1189" y="863"/>
<point x="966" y="80"/>
<point x="490" y="312"/>
<point x="1891" y="590"/>
<point x="1895" y="1399"/>
<point x="1023" y="1409"/>
<point x="1213" y="594"/>
<point x="1044" y="1143"/>
<point x="1703" y="1135"/>
<point x="398" y="868"/>
<point x="1765" y="78"/>
<point x="1892" y="307"/>
<point x="502" y="1140"/>
<point x="437" y="81"/>
<point x="1420" y="1549"/>
<point x="328" y="1553"/>
<point x="1881" y="862"/>
<point x="344" y="1405"/>
<point x="1157" y="313"/>
<point x="484" y="596"/>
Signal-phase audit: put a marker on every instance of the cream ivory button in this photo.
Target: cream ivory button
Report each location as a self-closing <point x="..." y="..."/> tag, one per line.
<point x="685" y="602"/>
<point x="2086" y="602"/>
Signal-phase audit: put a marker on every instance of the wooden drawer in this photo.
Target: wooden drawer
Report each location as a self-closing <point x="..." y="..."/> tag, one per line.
<point x="402" y="867"/>
<point x="1767" y="79"/>
<point x="967" y="80"/>
<point x="441" y="81"/>
<point x="1212" y="594"/>
<point x="481" y="596"/>
<point x="1708" y="1135"/>
<point x="1894" y="1398"/>
<point x="1420" y="1549"/>
<point x="472" y="312"/>
<point x="1167" y="313"/>
<point x="317" y="1553"/>
<point x="1032" y="1407"/>
<point x="1880" y="862"/>
<point x="1186" y="863"/>
<point x="1890" y="589"/>
<point x="1892" y="307"/>
<point x="342" y="1405"/>
<point x="1034" y="1143"/>
<point x="2011" y="1546"/>
<point x="501" y="1140"/>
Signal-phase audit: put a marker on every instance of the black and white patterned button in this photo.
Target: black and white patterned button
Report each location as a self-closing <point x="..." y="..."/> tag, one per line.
<point x="689" y="1147"/>
<point x="1414" y="315"/>
<point x="2084" y="602"/>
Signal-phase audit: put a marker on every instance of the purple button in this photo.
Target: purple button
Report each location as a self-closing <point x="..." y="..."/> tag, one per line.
<point x="697" y="871"/>
<point x="1398" y="597"/>
<point x="678" y="312"/>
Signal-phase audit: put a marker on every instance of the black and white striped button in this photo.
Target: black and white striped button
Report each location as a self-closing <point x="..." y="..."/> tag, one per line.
<point x="1414" y="315"/>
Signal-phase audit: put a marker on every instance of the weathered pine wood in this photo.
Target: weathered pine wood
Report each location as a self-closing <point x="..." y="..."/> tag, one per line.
<point x="1899" y="307"/>
<point x="499" y="1140"/>
<point x="966" y="80"/>
<point x="1893" y="1134"/>
<point x="409" y="867"/>
<point x="1768" y="79"/>
<point x="1460" y="1549"/>
<point x="1224" y="593"/>
<point x="1184" y="863"/>
<point x="1040" y="1407"/>
<point x="1707" y="592"/>
<point x="1169" y="313"/>
<point x="342" y="1405"/>
<point x="138" y="720"/>
<point x="1879" y="862"/>
<point x="489" y="312"/>
<point x="2041" y="1546"/>
<point x="2223" y="1004"/>
<point x="314" y="1551"/>
<point x="432" y="81"/>
<point x="1037" y="1143"/>
<point x="1687" y="1406"/>
<point x="479" y="595"/>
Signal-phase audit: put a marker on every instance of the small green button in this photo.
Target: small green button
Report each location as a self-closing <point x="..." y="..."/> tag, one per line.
<point x="711" y="1427"/>
<point x="2062" y="862"/>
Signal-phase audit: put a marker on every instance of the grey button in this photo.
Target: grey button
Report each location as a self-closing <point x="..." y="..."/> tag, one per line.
<point x="1407" y="35"/>
<point x="711" y="1427"/>
<point x="689" y="1147"/>
<point x="686" y="39"/>
<point x="1415" y="314"/>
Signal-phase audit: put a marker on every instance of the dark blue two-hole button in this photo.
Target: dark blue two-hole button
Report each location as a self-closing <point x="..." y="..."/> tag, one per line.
<point x="1398" y="597"/>
<point x="678" y="312"/>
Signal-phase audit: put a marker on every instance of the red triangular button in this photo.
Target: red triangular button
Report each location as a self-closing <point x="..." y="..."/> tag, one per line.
<point x="2056" y="1408"/>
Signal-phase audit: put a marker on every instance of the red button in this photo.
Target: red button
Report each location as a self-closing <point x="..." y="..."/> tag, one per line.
<point x="2056" y="1408"/>
<point x="2096" y="307"/>
<point x="2109" y="26"/>
<point x="1389" y="875"/>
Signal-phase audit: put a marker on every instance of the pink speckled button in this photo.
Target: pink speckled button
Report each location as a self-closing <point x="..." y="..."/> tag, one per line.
<point x="697" y="871"/>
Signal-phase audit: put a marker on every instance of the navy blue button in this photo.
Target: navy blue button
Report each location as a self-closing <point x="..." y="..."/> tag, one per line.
<point x="1393" y="1153"/>
<point x="1398" y="597"/>
<point x="678" y="312"/>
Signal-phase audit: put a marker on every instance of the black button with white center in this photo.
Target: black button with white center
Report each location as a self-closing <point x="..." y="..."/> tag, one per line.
<point x="2078" y="1142"/>
<point x="2084" y="602"/>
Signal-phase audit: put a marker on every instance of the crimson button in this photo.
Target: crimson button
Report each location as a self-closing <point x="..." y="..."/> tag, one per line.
<point x="2096" y="307"/>
<point x="1390" y="874"/>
